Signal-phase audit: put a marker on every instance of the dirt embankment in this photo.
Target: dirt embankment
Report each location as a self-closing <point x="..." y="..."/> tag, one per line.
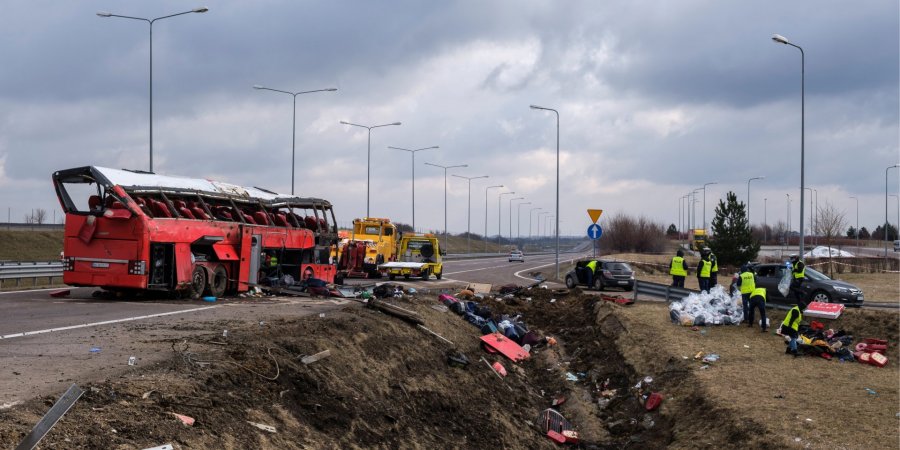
<point x="387" y="384"/>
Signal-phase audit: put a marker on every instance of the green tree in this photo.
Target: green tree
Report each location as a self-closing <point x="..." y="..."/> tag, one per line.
<point x="732" y="241"/>
<point x="851" y="232"/>
<point x="672" y="231"/>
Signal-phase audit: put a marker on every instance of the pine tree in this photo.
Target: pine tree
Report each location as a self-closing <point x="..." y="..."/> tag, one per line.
<point x="732" y="241"/>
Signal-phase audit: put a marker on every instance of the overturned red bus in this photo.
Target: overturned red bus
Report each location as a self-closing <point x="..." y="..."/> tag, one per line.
<point x="130" y="230"/>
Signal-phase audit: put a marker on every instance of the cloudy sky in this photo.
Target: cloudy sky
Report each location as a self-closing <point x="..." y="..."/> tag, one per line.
<point x="655" y="99"/>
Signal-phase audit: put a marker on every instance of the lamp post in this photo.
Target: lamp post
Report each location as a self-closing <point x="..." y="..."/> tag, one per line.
<point x="369" y="154"/>
<point x="150" y="22"/>
<point x="519" y="219"/>
<point x="469" y="214"/>
<point x="693" y="209"/>
<point x="557" y="183"/>
<point x="783" y="40"/>
<point x="530" y="220"/>
<point x="812" y="231"/>
<point x="413" y="154"/>
<point x="510" y="215"/>
<point x="856" y="230"/>
<point x="788" y="238"/>
<point x="294" y="121"/>
<point x="499" y="198"/>
<point x="445" y="189"/>
<point x="765" y="219"/>
<point x="486" y="212"/>
<point x="541" y="218"/>
<point x="885" y="229"/>
<point x="547" y="223"/>
<point x="891" y="195"/>
<point x="704" y="202"/>
<point x="748" y="199"/>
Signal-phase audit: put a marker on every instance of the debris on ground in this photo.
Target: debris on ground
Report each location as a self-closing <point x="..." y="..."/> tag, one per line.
<point x="715" y="307"/>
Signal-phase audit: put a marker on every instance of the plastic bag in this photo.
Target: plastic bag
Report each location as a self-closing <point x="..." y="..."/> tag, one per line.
<point x="784" y="286"/>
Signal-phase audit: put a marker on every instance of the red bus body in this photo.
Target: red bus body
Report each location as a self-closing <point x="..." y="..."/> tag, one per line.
<point x="142" y="231"/>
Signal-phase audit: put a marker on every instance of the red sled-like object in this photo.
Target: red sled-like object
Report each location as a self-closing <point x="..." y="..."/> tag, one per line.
<point x="616" y="299"/>
<point x="506" y="346"/>
<point x="556" y="437"/>
<point x="824" y="310"/>
<point x="875" y="341"/>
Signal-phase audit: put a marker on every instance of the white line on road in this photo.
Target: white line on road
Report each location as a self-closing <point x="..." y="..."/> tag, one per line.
<point x="34" y="290"/>
<point x="105" y="322"/>
<point x="538" y="267"/>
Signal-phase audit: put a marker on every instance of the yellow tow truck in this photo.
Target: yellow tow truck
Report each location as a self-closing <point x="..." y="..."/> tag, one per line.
<point x="418" y="255"/>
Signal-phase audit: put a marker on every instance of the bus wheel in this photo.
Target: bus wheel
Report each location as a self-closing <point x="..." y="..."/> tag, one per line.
<point x="219" y="282"/>
<point x="198" y="282"/>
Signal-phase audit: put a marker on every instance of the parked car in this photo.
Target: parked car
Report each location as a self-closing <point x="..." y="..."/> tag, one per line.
<point x="818" y="287"/>
<point x="897" y="246"/>
<point x="516" y="255"/>
<point x="608" y="274"/>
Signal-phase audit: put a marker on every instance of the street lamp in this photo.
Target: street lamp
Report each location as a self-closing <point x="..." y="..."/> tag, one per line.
<point x="704" y="202"/>
<point x="369" y="154"/>
<point x="783" y="40"/>
<point x="510" y="215"/>
<point x="530" y="222"/>
<point x="445" y="189"/>
<point x="519" y="219"/>
<point x="413" y="154"/>
<point x="885" y="229"/>
<point x="541" y="218"/>
<point x="788" y="238"/>
<point x="857" y="224"/>
<point x="202" y="9"/>
<point x="547" y="225"/>
<point x="693" y="208"/>
<point x="898" y="209"/>
<point x="557" y="182"/>
<point x="486" y="212"/>
<point x="748" y="199"/>
<point x="469" y="213"/>
<point x="294" y="121"/>
<point x="499" y="198"/>
<point x="765" y="219"/>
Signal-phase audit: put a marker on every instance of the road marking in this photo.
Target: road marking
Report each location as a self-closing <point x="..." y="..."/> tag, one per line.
<point x="105" y="322"/>
<point x="538" y="267"/>
<point x="34" y="290"/>
<point x="482" y="268"/>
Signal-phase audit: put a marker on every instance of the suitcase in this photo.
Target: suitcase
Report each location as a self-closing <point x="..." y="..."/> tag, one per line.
<point x="878" y="360"/>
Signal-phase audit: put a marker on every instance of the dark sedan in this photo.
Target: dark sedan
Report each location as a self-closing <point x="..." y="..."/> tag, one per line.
<point x="609" y="274"/>
<point x="817" y="287"/>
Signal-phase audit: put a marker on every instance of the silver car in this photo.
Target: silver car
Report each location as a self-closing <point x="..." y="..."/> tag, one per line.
<point x="516" y="255"/>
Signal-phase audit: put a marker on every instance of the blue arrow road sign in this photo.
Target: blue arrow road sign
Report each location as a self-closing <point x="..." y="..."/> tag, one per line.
<point x="594" y="231"/>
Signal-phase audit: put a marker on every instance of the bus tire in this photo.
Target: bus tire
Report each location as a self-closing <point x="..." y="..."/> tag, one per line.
<point x="218" y="283"/>
<point x="198" y="282"/>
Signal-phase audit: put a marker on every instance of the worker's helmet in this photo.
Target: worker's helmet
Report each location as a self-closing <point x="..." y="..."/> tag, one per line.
<point x="680" y="252"/>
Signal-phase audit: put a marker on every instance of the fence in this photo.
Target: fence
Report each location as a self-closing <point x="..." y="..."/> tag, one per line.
<point x="30" y="270"/>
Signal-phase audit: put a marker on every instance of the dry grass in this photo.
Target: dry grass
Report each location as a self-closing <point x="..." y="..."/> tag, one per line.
<point x="30" y="245"/>
<point x="823" y="403"/>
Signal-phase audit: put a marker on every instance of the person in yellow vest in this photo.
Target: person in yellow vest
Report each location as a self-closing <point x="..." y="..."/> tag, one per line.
<point x="758" y="301"/>
<point x="678" y="269"/>
<point x="798" y="270"/>
<point x="747" y="282"/>
<point x="703" y="270"/>
<point x="790" y="327"/>
<point x="591" y="270"/>
<point x="714" y="269"/>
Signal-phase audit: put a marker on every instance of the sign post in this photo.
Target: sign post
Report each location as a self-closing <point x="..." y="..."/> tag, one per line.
<point x="594" y="231"/>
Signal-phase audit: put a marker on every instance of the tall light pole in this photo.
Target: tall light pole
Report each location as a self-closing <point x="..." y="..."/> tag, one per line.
<point x="469" y="214"/>
<point x="413" y="154"/>
<point x="748" y="199"/>
<point x="898" y="209"/>
<point x="150" y="22"/>
<point x="530" y="220"/>
<point x="812" y="231"/>
<point x="693" y="208"/>
<point x="445" y="189"/>
<point x="547" y="224"/>
<point x="486" y="212"/>
<point x="765" y="219"/>
<point x="704" y="202"/>
<point x="510" y="215"/>
<point x="369" y="154"/>
<point x="885" y="229"/>
<point x="789" y="220"/>
<point x="783" y="40"/>
<point x="856" y="232"/>
<point x="519" y="219"/>
<point x="557" y="182"/>
<point x="541" y="218"/>
<point x="294" y="122"/>
<point x="499" y="202"/>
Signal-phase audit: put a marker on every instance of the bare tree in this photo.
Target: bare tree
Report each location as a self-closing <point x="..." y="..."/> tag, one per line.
<point x="40" y="216"/>
<point x="831" y="223"/>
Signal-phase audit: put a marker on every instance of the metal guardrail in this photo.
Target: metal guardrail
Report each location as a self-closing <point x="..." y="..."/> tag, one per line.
<point x="34" y="270"/>
<point x="668" y="293"/>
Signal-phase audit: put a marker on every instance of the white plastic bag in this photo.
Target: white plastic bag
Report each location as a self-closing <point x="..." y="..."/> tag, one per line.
<point x="784" y="286"/>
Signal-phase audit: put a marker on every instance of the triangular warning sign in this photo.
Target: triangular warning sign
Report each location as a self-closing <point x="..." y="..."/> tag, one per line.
<point x="595" y="214"/>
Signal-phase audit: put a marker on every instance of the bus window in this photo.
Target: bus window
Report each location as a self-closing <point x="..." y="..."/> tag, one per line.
<point x="83" y="197"/>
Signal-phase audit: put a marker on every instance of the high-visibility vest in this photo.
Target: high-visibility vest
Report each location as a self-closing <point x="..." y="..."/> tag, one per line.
<point x="801" y="273"/>
<point x="795" y="325"/>
<point x="704" y="270"/>
<point x="758" y="292"/>
<point x="677" y="268"/>
<point x="273" y="261"/>
<point x="715" y="262"/>
<point x="748" y="282"/>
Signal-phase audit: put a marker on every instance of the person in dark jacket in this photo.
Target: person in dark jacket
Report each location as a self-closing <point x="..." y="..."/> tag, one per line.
<point x="798" y="272"/>
<point x="714" y="268"/>
<point x="747" y="283"/>
<point x="758" y="301"/>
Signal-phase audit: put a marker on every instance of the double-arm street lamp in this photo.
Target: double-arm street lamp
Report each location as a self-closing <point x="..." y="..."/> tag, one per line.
<point x="783" y="40"/>
<point x="499" y="202"/>
<point x="369" y="154"/>
<point x="510" y="215"/>
<point x="885" y="229"/>
<point x="413" y="154"/>
<point x="294" y="121"/>
<point x="749" y="224"/>
<point x="486" y="212"/>
<point x="445" y="188"/>
<point x="151" y="22"/>
<point x="557" y="182"/>
<point x="469" y="213"/>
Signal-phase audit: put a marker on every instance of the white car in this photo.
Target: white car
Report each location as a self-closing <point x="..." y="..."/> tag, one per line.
<point x="516" y="255"/>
